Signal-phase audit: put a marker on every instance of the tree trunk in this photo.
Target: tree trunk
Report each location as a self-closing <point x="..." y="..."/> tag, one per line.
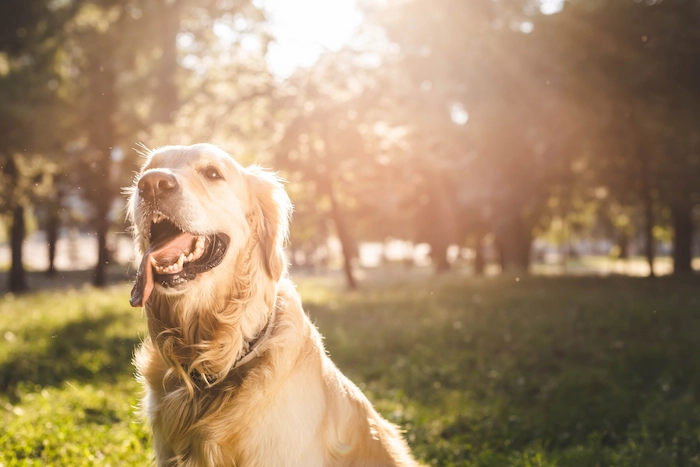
<point x="103" y="138"/>
<point x="18" y="276"/>
<point x="440" y="219"/>
<point x="438" y="255"/>
<point x="52" y="226"/>
<point x="343" y="234"/>
<point x="479" y="260"/>
<point x="682" y="238"/>
<point x="498" y="245"/>
<point x="648" y="202"/>
<point x="515" y="242"/>
<point x="100" y="274"/>
<point x="623" y="242"/>
<point x="166" y="98"/>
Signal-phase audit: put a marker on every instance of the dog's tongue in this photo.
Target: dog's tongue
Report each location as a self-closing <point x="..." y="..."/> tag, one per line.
<point x="165" y="252"/>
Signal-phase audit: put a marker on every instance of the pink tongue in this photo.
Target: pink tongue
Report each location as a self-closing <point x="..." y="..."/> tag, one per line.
<point x="165" y="252"/>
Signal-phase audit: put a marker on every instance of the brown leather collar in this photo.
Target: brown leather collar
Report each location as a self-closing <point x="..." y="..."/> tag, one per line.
<point x="244" y="365"/>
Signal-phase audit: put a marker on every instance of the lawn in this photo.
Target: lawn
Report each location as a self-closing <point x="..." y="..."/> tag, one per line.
<point x="542" y="371"/>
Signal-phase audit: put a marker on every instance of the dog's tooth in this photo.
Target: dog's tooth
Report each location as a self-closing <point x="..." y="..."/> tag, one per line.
<point x="181" y="261"/>
<point x="190" y="257"/>
<point x="199" y="250"/>
<point x="154" y="262"/>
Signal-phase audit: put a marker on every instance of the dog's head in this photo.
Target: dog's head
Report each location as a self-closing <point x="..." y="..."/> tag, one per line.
<point x="197" y="213"/>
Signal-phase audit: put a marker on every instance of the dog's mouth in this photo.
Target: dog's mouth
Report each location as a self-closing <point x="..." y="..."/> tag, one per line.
<point x="175" y="257"/>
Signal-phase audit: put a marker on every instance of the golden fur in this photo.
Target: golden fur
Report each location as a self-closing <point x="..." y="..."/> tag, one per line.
<point x="294" y="408"/>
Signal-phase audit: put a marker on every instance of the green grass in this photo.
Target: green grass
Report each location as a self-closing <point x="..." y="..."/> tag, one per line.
<point x="578" y="372"/>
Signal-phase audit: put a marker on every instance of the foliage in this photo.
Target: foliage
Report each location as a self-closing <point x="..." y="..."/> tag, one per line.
<point x="490" y="372"/>
<point x="29" y="101"/>
<point x="442" y="121"/>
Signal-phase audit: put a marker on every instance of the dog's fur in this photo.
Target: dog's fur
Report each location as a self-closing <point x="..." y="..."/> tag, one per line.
<point x="294" y="408"/>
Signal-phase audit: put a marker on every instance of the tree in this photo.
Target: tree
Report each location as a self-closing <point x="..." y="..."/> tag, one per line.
<point x="328" y="127"/>
<point x="130" y="79"/>
<point x="646" y="71"/>
<point x="29" y="104"/>
<point x="484" y="91"/>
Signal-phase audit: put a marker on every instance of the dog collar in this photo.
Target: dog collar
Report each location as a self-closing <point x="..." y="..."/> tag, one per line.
<point x="244" y="364"/>
<point x="254" y="346"/>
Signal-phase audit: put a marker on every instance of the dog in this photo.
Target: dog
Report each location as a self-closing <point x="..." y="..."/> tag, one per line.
<point x="234" y="372"/>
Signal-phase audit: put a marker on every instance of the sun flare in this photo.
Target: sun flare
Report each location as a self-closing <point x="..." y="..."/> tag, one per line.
<point x="304" y="29"/>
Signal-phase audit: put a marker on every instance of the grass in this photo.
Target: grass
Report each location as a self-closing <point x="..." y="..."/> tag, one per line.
<point x="579" y="372"/>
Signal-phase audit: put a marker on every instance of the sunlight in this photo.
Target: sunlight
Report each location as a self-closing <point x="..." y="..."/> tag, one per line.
<point x="304" y="29"/>
<point x="549" y="7"/>
<point x="458" y="113"/>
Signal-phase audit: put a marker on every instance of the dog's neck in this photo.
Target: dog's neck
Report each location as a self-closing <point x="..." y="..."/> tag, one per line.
<point x="208" y="336"/>
<point x="253" y="351"/>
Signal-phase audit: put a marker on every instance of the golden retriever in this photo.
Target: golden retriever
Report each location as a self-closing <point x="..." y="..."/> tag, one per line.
<point x="235" y="373"/>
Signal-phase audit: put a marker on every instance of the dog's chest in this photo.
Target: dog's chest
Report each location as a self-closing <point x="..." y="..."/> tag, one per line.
<point x="286" y="430"/>
<point x="258" y="426"/>
<point x="193" y="430"/>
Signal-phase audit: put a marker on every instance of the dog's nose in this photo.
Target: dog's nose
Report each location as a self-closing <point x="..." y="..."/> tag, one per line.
<point x="156" y="184"/>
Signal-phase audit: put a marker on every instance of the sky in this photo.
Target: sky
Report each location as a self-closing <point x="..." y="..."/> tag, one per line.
<point x="304" y="29"/>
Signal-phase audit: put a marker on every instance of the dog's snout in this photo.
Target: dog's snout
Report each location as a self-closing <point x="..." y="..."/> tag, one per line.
<point x="157" y="184"/>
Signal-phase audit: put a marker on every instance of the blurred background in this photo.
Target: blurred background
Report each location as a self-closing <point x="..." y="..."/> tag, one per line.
<point x="494" y="176"/>
<point x="550" y="136"/>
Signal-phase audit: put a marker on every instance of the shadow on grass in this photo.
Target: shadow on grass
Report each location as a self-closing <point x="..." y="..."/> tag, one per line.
<point x="73" y="279"/>
<point x="583" y="367"/>
<point x="82" y="350"/>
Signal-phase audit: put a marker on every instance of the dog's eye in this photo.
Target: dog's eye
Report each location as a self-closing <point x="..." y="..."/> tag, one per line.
<point x="212" y="174"/>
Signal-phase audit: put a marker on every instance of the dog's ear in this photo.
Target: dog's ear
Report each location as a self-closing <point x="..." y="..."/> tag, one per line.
<point x="271" y="209"/>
